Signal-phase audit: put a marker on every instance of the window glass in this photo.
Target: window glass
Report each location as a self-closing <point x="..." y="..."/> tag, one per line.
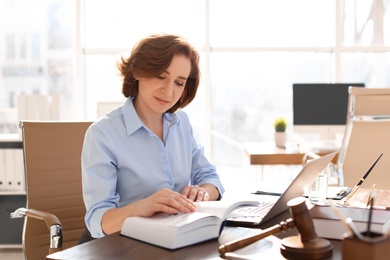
<point x="368" y="67"/>
<point x="37" y="54"/>
<point x="102" y="81"/>
<point x="10" y="47"/>
<point x="119" y="24"/>
<point x="249" y="90"/>
<point x="366" y="22"/>
<point x="259" y="23"/>
<point x="258" y="49"/>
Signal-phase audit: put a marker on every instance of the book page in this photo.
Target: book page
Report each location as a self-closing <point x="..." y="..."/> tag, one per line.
<point x="221" y="209"/>
<point x="174" y="220"/>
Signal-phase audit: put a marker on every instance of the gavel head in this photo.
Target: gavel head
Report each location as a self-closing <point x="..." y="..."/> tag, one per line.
<point x="307" y="245"/>
<point x="302" y="219"/>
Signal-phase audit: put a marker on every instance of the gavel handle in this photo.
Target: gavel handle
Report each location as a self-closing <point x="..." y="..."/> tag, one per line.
<point x="243" y="242"/>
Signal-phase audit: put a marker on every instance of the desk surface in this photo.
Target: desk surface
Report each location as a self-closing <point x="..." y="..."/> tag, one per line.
<point x="267" y="153"/>
<point x="119" y="247"/>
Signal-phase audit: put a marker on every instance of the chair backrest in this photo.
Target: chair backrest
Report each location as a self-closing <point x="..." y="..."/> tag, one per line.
<point x="367" y="135"/>
<point x="52" y="157"/>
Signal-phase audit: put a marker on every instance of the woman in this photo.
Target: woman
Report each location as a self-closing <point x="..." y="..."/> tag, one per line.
<point x="142" y="158"/>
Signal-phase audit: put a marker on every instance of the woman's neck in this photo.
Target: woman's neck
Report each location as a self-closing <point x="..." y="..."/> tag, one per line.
<point x="153" y="121"/>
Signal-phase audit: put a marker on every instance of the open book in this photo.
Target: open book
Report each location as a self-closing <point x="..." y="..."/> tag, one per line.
<point x="180" y="230"/>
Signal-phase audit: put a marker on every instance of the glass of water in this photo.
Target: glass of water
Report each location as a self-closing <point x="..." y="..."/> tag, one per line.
<point x="318" y="189"/>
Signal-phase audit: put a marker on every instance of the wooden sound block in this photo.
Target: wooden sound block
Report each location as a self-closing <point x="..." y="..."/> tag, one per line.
<point x="317" y="248"/>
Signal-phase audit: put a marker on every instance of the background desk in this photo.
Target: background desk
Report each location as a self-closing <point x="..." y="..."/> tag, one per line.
<point x="266" y="153"/>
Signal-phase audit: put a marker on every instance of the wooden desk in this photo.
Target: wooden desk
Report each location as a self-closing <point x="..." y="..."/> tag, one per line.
<point x="266" y="153"/>
<point x="118" y="247"/>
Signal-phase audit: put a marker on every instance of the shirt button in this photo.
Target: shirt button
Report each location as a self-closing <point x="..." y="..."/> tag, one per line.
<point x="170" y="182"/>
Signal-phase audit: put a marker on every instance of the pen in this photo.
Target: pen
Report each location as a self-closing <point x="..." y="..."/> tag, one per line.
<point x="371" y="195"/>
<point x="347" y="222"/>
<point x="354" y="229"/>
<point x="342" y="192"/>
<point x="369" y="218"/>
<point x="259" y="192"/>
<point x="361" y="181"/>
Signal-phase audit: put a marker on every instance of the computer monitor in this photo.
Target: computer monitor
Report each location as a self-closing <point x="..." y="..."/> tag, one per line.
<point x="321" y="109"/>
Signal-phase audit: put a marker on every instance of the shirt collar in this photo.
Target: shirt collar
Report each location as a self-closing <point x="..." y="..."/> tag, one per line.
<point x="133" y="122"/>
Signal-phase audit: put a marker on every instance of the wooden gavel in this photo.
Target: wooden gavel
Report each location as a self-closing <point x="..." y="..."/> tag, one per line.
<point x="301" y="220"/>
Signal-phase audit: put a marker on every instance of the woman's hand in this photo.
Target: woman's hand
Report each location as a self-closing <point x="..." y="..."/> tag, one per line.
<point x="164" y="200"/>
<point x="196" y="193"/>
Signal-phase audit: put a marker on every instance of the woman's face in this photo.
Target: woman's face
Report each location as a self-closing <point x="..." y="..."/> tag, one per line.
<point x="160" y="93"/>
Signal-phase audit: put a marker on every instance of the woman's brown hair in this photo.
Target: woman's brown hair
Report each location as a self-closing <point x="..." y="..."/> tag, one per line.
<point x="152" y="56"/>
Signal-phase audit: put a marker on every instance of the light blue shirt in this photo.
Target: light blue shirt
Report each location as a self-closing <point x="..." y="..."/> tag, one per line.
<point x="123" y="161"/>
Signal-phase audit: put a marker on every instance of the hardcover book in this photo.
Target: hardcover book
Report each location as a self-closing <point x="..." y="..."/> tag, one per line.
<point x="174" y="231"/>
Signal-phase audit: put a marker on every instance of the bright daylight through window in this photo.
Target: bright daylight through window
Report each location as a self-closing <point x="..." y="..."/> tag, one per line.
<point x="252" y="52"/>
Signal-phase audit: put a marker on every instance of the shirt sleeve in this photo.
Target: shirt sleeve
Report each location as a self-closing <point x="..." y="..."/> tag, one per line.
<point x="202" y="171"/>
<point x="99" y="179"/>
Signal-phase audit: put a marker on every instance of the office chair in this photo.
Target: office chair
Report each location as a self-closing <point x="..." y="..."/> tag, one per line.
<point x="52" y="158"/>
<point x="366" y="136"/>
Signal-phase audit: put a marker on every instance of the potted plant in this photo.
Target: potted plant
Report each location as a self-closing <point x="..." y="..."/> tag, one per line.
<point x="280" y="125"/>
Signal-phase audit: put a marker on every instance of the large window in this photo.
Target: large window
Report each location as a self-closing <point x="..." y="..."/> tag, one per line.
<point x="252" y="51"/>
<point x="37" y="55"/>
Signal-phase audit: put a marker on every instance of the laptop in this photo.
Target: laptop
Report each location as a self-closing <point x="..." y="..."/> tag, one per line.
<point x="249" y="216"/>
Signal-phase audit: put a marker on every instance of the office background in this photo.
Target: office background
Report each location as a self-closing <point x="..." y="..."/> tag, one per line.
<point x="252" y="51"/>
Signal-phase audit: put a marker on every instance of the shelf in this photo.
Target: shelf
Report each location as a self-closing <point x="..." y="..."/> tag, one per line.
<point x="11" y="246"/>
<point x="11" y="193"/>
<point x="10" y="138"/>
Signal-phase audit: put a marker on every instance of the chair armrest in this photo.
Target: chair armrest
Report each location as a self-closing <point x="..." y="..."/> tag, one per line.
<point x="52" y="222"/>
<point x="49" y="218"/>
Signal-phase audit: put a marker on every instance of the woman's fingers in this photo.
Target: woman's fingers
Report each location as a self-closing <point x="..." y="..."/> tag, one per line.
<point x="168" y="198"/>
<point x="195" y="193"/>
